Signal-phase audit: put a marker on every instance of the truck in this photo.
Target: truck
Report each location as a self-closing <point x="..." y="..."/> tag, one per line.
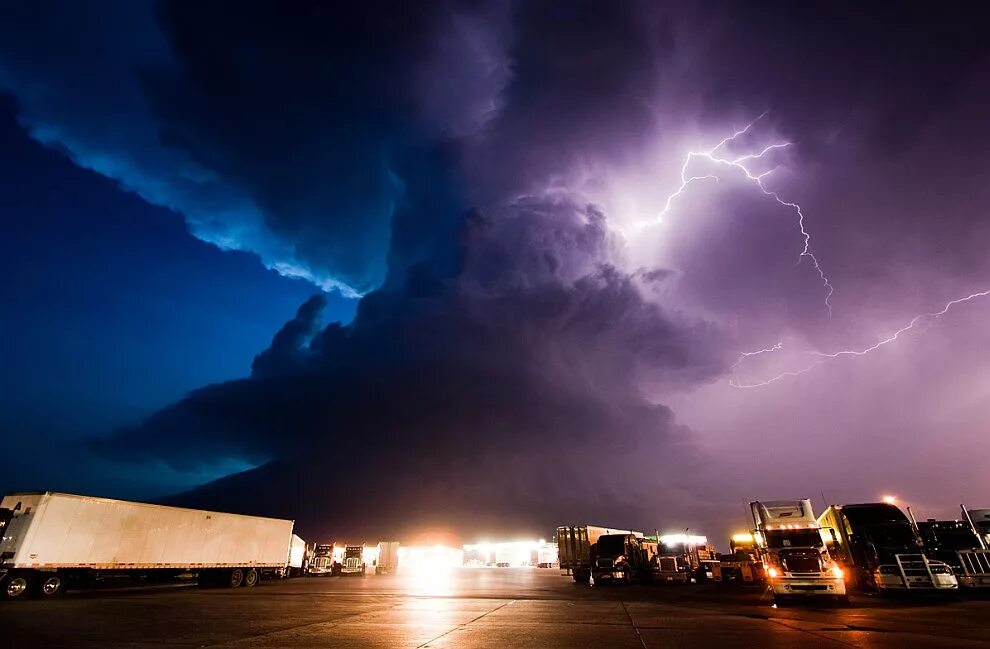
<point x="353" y="563"/>
<point x="958" y="544"/>
<point x="574" y="548"/>
<point x="794" y="555"/>
<point x="388" y="557"/>
<point x="323" y="563"/>
<point x="742" y="564"/>
<point x="880" y="551"/>
<point x="681" y="558"/>
<point x="622" y="558"/>
<point x="55" y="541"/>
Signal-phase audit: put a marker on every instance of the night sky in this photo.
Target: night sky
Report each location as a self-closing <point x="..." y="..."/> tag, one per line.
<point x="490" y="267"/>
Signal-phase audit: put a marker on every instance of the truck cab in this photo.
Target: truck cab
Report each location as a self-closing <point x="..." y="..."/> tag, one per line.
<point x="881" y="551"/>
<point x="620" y="558"/>
<point x="322" y="562"/>
<point x="790" y="545"/>
<point x="956" y="544"/>
<point x="353" y="563"/>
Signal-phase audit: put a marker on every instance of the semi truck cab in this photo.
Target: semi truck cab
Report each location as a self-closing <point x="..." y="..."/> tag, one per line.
<point x="956" y="544"/>
<point x="794" y="556"/>
<point x="353" y="560"/>
<point x="880" y="549"/>
<point x="618" y="557"/>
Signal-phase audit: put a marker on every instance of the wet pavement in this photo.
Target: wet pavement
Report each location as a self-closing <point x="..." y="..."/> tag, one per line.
<point x="482" y="607"/>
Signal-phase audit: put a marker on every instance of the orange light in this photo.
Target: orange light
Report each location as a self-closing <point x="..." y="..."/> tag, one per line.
<point x="837" y="572"/>
<point x="890" y="500"/>
<point x="772" y="572"/>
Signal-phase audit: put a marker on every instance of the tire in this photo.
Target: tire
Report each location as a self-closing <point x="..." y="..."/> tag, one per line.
<point x="49" y="585"/>
<point x="235" y="578"/>
<point x="17" y="586"/>
<point x="251" y="578"/>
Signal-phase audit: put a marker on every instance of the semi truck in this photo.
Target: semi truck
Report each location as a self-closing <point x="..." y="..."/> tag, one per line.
<point x="790" y="546"/>
<point x="958" y="544"/>
<point x="622" y="558"/>
<point x="388" y="557"/>
<point x="574" y="548"/>
<point x="54" y="541"/>
<point x="323" y="562"/>
<point x="742" y="564"/>
<point x="681" y="558"/>
<point x="353" y="563"/>
<point x="880" y="550"/>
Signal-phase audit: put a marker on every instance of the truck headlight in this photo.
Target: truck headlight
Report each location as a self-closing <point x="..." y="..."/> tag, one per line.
<point x="837" y="572"/>
<point x="772" y="572"/>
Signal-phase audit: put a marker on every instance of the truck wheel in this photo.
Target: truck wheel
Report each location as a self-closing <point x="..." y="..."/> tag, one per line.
<point x="251" y="578"/>
<point x="17" y="586"/>
<point x="235" y="578"/>
<point x="50" y="585"/>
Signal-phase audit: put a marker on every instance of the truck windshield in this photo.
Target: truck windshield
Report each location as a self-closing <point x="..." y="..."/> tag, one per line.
<point x="893" y="535"/>
<point x="950" y="537"/>
<point x="353" y="553"/>
<point x="611" y="545"/>
<point x="793" y="539"/>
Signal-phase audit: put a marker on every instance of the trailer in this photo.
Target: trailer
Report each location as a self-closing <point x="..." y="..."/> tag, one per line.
<point x="388" y="557"/>
<point x="298" y="557"/>
<point x="52" y="541"/>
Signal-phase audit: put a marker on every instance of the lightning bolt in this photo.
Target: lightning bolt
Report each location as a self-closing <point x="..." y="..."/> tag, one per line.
<point x="738" y="163"/>
<point x="824" y="358"/>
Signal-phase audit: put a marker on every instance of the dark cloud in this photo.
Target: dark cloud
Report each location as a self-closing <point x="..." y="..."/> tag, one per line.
<point x="503" y="380"/>
<point x="483" y="173"/>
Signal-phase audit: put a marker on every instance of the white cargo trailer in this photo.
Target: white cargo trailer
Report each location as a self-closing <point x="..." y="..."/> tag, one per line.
<point x="388" y="557"/>
<point x="54" y="540"/>
<point x="297" y="556"/>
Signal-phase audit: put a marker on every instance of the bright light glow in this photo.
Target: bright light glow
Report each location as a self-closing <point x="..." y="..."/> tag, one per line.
<point x="511" y="553"/>
<point x="837" y="572"/>
<point x="772" y="572"/>
<point x="429" y="570"/>
<point x="890" y="500"/>
<point x="683" y="539"/>
<point x="742" y="537"/>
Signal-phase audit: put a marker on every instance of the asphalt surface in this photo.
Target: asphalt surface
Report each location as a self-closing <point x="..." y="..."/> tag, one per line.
<point x="480" y="607"/>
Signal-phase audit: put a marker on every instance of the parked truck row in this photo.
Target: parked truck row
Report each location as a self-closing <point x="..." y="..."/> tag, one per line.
<point x="867" y="547"/>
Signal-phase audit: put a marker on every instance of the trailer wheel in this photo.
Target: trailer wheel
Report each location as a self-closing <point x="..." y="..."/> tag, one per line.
<point x="251" y="578"/>
<point x="17" y="586"/>
<point x="235" y="578"/>
<point x="50" y="585"/>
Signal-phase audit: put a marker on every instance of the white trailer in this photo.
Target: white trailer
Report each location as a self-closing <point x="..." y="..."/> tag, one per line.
<point x="54" y="540"/>
<point x="297" y="556"/>
<point x="388" y="557"/>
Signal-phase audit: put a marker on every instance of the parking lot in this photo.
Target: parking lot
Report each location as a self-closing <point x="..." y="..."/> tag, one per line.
<point x="483" y="607"/>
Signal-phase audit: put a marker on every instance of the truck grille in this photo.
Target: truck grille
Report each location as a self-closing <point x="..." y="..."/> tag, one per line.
<point x="805" y="562"/>
<point x="604" y="563"/>
<point x="668" y="565"/>
<point x="975" y="562"/>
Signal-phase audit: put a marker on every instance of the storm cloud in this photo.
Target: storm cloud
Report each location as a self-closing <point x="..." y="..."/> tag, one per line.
<point x="488" y="177"/>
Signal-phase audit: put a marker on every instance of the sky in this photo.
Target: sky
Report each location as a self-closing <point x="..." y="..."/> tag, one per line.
<point x="475" y="268"/>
